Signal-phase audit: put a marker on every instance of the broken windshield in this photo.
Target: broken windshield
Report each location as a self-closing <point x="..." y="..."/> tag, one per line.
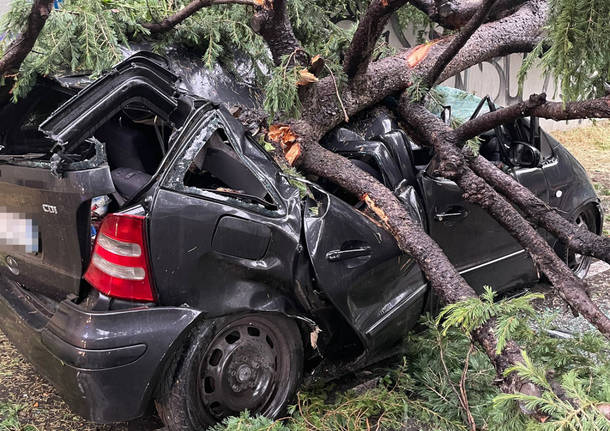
<point x="463" y="104"/>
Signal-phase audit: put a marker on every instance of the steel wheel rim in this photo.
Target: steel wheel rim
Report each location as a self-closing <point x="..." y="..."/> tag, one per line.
<point x="243" y="369"/>
<point x="578" y="263"/>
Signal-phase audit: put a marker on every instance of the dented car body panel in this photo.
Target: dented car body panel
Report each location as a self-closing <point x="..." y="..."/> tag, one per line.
<point x="227" y="233"/>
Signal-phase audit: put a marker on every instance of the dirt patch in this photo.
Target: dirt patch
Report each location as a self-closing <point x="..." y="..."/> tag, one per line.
<point x="35" y="401"/>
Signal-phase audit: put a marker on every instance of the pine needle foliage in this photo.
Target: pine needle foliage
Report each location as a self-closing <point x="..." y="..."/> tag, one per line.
<point x="424" y="390"/>
<point x="472" y="313"/>
<point x="88" y="36"/>
<point x="576" y="49"/>
<point x="411" y="18"/>
<point x="245" y="422"/>
<point x="82" y="36"/>
<point x="281" y="91"/>
<point x="577" y="410"/>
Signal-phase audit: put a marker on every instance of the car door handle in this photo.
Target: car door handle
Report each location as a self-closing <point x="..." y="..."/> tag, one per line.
<point x="451" y="213"/>
<point x="339" y="255"/>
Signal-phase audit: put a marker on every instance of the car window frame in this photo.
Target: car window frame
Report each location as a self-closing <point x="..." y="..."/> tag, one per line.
<point x="193" y="144"/>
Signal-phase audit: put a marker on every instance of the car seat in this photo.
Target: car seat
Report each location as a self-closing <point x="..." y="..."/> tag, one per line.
<point x="131" y="156"/>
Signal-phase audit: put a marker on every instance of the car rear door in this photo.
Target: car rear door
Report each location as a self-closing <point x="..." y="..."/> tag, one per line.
<point x="224" y="225"/>
<point x="379" y="290"/>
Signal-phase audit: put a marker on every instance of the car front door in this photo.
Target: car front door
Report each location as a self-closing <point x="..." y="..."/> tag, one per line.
<point x="379" y="290"/>
<point x="480" y="248"/>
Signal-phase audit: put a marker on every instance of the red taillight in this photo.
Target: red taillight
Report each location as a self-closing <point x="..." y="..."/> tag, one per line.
<point x="119" y="267"/>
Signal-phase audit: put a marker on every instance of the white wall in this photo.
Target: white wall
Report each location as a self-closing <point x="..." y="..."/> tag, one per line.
<point x="4" y="6"/>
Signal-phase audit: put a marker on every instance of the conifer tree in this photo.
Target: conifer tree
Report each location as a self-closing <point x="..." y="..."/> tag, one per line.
<point x="317" y="74"/>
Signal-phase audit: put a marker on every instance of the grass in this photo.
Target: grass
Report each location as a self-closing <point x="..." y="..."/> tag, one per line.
<point x="591" y="146"/>
<point x="9" y="418"/>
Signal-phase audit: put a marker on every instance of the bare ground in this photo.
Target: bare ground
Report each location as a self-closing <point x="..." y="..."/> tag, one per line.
<point x="26" y="398"/>
<point x="37" y="402"/>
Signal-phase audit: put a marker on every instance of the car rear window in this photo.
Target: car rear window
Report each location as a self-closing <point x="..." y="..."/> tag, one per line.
<point x="19" y="132"/>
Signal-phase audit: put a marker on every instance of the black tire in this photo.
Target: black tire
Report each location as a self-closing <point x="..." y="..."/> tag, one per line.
<point x="252" y="362"/>
<point x="579" y="264"/>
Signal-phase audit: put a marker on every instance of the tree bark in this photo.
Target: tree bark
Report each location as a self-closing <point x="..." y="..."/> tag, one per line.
<point x="370" y="27"/>
<point x="271" y="21"/>
<point x="454" y="14"/>
<point x="522" y="30"/>
<point x="580" y="240"/>
<point x="453" y="165"/>
<point x="18" y="50"/>
<point x="458" y="42"/>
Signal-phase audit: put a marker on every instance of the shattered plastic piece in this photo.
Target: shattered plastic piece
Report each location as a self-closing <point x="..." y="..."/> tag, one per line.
<point x="313" y="337"/>
<point x="99" y="205"/>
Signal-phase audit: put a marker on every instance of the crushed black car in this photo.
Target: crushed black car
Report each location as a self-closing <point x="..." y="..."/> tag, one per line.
<point x="153" y="253"/>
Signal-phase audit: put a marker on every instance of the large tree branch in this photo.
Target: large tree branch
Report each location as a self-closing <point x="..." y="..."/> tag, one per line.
<point x="519" y="32"/>
<point x="453" y="165"/>
<point x="458" y="42"/>
<point x="537" y="106"/>
<point x="323" y="111"/>
<point x="365" y="38"/>
<point x="193" y="7"/>
<point x="272" y="22"/>
<point x="453" y="14"/>
<point x="18" y="50"/>
<point x="576" y="238"/>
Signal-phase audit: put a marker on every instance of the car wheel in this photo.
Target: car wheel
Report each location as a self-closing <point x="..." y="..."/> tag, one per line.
<point x="577" y="262"/>
<point x="252" y="363"/>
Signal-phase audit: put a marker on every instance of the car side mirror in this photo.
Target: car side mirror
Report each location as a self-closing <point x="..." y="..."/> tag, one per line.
<point x="524" y="155"/>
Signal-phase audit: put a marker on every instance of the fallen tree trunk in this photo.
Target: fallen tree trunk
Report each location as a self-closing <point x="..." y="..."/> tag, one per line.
<point x="476" y="190"/>
<point x="578" y="239"/>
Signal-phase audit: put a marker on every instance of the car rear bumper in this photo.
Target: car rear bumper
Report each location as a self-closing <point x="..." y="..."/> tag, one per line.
<point x="104" y="364"/>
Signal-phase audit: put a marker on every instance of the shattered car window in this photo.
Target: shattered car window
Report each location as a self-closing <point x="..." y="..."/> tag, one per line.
<point x="463" y="104"/>
<point x="214" y="167"/>
<point x="19" y="129"/>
